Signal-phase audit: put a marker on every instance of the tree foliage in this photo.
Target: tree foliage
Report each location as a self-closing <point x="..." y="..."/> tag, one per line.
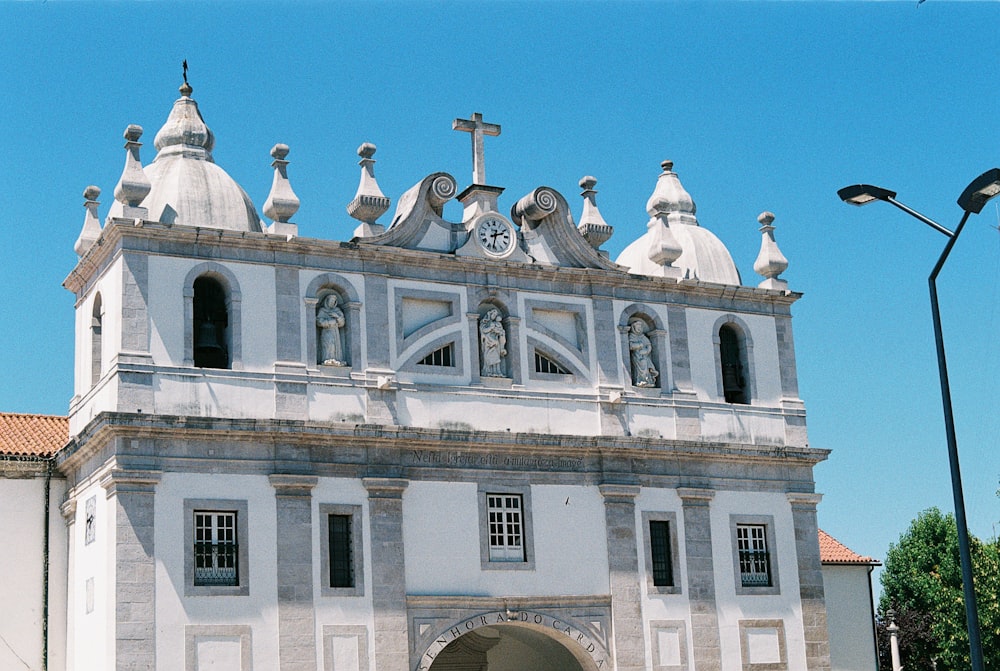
<point x="922" y="583"/>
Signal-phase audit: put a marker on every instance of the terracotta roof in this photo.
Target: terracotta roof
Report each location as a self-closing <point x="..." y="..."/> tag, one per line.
<point x="832" y="551"/>
<point x="32" y="435"/>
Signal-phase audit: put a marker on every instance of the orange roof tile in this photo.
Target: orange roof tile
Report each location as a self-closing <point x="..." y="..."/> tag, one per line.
<point x="832" y="551"/>
<point x="32" y="435"/>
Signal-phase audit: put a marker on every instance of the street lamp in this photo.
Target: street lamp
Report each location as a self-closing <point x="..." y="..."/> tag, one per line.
<point x="972" y="201"/>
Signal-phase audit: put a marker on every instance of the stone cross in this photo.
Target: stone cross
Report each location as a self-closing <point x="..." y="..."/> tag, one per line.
<point x="478" y="128"/>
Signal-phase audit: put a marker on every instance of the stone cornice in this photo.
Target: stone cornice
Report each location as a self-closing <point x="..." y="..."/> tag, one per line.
<point x="223" y="245"/>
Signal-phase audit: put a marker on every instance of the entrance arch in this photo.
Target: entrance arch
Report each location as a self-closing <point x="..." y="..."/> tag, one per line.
<point x="514" y="641"/>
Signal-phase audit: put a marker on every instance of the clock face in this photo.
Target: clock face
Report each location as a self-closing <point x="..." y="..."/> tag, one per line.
<point x="495" y="235"/>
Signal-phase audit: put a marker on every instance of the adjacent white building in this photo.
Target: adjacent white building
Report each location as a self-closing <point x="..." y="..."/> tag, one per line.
<point x="475" y="444"/>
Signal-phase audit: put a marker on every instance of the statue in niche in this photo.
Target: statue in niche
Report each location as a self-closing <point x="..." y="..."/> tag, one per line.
<point x="330" y="322"/>
<point x="644" y="373"/>
<point x="493" y="342"/>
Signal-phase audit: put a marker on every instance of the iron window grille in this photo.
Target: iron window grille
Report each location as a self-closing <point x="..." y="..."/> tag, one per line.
<point x="755" y="560"/>
<point x="341" y="554"/>
<point x="216" y="552"/>
<point x="659" y="541"/>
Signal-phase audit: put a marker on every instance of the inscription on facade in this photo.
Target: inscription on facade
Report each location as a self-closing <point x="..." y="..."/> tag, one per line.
<point x="495" y="460"/>
<point x="538" y="621"/>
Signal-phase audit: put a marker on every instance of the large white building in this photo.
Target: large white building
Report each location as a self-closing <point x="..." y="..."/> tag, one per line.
<point x="439" y="445"/>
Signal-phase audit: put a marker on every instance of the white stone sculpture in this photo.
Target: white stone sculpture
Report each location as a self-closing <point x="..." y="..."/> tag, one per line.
<point x="330" y="321"/>
<point x="644" y="373"/>
<point x="493" y="342"/>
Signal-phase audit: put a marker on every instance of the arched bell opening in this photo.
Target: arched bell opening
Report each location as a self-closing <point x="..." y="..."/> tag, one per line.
<point x="512" y="647"/>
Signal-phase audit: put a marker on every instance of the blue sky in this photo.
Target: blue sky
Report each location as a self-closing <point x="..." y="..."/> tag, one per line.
<point x="761" y="106"/>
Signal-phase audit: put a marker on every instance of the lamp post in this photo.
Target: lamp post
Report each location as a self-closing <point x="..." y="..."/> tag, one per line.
<point x="972" y="201"/>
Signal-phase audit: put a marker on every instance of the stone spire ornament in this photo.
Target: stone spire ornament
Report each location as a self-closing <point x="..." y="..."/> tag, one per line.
<point x="282" y="202"/>
<point x="133" y="186"/>
<point x="669" y="204"/>
<point x="592" y="225"/>
<point x="91" y="224"/>
<point x="369" y="202"/>
<point x="770" y="261"/>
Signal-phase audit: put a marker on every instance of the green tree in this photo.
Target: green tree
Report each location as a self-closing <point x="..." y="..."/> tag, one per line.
<point x="922" y="582"/>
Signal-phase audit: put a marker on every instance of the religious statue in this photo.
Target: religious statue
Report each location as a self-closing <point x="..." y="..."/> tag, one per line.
<point x="330" y="321"/>
<point x="644" y="373"/>
<point x="493" y="342"/>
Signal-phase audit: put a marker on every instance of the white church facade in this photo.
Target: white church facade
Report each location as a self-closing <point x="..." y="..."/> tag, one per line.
<point x="475" y="444"/>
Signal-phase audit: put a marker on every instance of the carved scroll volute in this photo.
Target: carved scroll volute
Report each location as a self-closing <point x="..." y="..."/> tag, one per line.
<point x="534" y="207"/>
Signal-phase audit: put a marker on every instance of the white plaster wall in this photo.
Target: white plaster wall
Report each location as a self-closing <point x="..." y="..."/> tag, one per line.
<point x="704" y="377"/>
<point x="214" y="393"/>
<point x="849" y="617"/>
<point x="441" y="540"/>
<point x="22" y="503"/>
<point x="732" y="607"/>
<point x="166" y="311"/>
<point x="173" y="609"/>
<point x="498" y="410"/>
<point x="329" y="403"/>
<point x="91" y="642"/>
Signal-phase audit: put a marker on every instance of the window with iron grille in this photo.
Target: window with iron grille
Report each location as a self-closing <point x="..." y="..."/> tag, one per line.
<point x="443" y="356"/>
<point x="216" y="551"/>
<point x="659" y="548"/>
<point x="341" y="551"/>
<point x="755" y="560"/>
<point x="506" y="527"/>
<point x="544" y="364"/>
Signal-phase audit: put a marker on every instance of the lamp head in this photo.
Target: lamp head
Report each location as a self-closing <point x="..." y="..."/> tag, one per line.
<point x="979" y="191"/>
<point x="862" y="194"/>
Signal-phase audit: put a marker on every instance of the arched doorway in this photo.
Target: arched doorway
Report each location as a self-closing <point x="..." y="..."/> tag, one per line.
<point x="523" y="641"/>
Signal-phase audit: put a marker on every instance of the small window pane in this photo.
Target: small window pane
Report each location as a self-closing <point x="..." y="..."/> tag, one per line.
<point x="341" y="554"/>
<point x="755" y="561"/>
<point x="506" y="535"/>
<point x="215" y="548"/>
<point x="659" y="537"/>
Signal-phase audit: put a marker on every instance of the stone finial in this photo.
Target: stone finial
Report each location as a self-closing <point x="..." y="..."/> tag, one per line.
<point x="133" y="186"/>
<point x="592" y="225"/>
<point x="369" y="202"/>
<point x="668" y="205"/>
<point x="91" y="224"/>
<point x="282" y="202"/>
<point x="770" y="261"/>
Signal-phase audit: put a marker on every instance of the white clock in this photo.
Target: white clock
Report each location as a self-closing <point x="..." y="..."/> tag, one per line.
<point x="495" y="235"/>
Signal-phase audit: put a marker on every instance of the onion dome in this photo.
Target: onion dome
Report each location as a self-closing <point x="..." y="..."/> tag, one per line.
<point x="188" y="188"/>
<point x="672" y="227"/>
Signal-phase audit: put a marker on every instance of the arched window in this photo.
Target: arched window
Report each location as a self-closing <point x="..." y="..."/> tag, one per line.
<point x="211" y="324"/>
<point x="732" y="354"/>
<point x="96" y="343"/>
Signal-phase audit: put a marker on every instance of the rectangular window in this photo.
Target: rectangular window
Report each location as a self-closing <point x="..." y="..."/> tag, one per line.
<point x="341" y="551"/>
<point x="659" y="547"/>
<point x="506" y="527"/>
<point x="216" y="551"/>
<point x="755" y="561"/>
<point x="341" y="542"/>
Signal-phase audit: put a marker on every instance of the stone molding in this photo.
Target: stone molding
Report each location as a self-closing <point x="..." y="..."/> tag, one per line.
<point x="694" y="496"/>
<point x="385" y="488"/>
<point x="292" y="485"/>
<point x="118" y="481"/>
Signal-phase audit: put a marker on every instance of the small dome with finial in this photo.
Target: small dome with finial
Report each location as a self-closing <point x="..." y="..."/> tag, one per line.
<point x="188" y="188"/>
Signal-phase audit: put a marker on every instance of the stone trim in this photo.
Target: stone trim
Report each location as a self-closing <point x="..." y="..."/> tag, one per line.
<point x="405" y="341"/>
<point x="357" y="549"/>
<point x="810" y="571"/>
<point x="292" y="484"/>
<point x="287" y="315"/>
<point x="677" y="627"/>
<point x="239" y="632"/>
<point x="318" y="288"/>
<point x="746" y="627"/>
<point x="240" y="507"/>
<point x="623" y="566"/>
<point x="527" y="530"/>
<point x="294" y="571"/>
<point x="123" y="481"/>
<point x="675" y="562"/>
<point x="767" y="521"/>
<point x="345" y="631"/>
<point x="705" y="642"/>
<point x="388" y="566"/>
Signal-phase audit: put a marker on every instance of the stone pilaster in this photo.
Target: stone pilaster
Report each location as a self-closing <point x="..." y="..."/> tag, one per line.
<point x="131" y="495"/>
<point x="296" y="615"/>
<point x="701" y="578"/>
<point x="288" y="315"/>
<point x="623" y="563"/>
<point x="817" y="636"/>
<point x="609" y="372"/>
<point x="385" y="508"/>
